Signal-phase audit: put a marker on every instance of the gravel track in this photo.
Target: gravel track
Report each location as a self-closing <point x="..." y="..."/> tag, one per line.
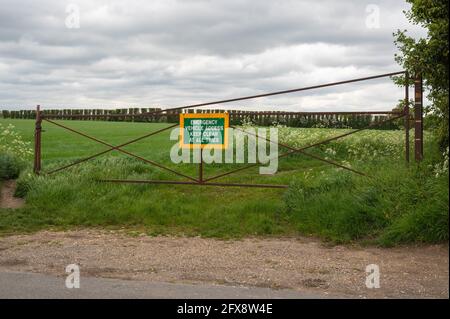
<point x="302" y="264"/>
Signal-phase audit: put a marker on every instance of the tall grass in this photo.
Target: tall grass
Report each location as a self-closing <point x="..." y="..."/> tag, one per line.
<point x="10" y="166"/>
<point x="397" y="205"/>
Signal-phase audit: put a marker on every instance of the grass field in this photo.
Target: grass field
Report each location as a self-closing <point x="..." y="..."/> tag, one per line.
<point x="398" y="204"/>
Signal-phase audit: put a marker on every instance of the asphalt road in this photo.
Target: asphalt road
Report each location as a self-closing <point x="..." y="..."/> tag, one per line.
<point x="19" y="285"/>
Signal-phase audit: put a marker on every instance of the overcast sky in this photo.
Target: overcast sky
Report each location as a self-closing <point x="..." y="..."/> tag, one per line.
<point x="170" y="53"/>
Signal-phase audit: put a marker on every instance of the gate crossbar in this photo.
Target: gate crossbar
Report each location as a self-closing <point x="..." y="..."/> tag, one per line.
<point x="118" y="148"/>
<point x="302" y="150"/>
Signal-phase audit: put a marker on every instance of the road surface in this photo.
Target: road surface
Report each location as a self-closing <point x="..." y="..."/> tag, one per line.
<point x="19" y="285"/>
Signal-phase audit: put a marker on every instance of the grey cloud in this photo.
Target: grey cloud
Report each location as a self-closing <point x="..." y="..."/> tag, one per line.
<point x="176" y="52"/>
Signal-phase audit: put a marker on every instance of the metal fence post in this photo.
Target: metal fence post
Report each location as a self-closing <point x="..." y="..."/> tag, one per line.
<point x="200" y="168"/>
<point x="37" y="141"/>
<point x="418" y="117"/>
<point x="406" y="110"/>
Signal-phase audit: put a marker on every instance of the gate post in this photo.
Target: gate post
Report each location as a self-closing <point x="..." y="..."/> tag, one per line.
<point x="418" y="117"/>
<point x="200" y="167"/>
<point x="406" y="112"/>
<point x="37" y="141"/>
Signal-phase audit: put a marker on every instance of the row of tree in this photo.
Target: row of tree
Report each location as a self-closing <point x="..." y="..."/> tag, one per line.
<point x="237" y="117"/>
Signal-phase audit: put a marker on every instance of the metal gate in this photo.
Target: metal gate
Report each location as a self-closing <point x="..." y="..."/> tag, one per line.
<point x="211" y="181"/>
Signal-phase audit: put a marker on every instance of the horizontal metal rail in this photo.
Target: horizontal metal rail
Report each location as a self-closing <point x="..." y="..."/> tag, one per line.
<point x="235" y="99"/>
<point x="145" y="181"/>
<point x="275" y="113"/>
<point x="238" y="112"/>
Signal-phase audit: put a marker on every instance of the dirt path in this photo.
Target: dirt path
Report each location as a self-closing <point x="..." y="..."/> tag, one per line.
<point x="300" y="264"/>
<point x="7" y="199"/>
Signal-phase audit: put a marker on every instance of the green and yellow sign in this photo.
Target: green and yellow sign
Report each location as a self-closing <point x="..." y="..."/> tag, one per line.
<point x="204" y="130"/>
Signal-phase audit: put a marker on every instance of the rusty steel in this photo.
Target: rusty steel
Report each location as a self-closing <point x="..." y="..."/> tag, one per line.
<point x="122" y="151"/>
<point x="37" y="141"/>
<point x="418" y="117"/>
<point x="274" y="113"/>
<point x="241" y="112"/>
<point x="78" y="162"/>
<point x="242" y="98"/>
<point x="407" y="119"/>
<point x="201" y="180"/>
<point x="307" y="147"/>
<point x="352" y="132"/>
<point x="146" y="181"/>
<point x="109" y="150"/>
<point x="200" y="168"/>
<point x="305" y="153"/>
<point x="278" y="92"/>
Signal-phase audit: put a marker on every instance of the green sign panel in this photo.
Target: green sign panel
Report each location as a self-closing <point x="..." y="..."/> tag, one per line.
<point x="199" y="130"/>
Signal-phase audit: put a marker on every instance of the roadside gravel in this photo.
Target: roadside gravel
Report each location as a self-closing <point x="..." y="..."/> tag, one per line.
<point x="297" y="263"/>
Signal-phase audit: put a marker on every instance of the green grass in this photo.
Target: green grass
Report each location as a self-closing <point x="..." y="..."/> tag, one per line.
<point x="10" y="167"/>
<point x="398" y="204"/>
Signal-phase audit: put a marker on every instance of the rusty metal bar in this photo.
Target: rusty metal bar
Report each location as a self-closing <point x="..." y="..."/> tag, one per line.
<point x="418" y="117"/>
<point x="352" y="132"/>
<point x="37" y="141"/>
<point x="241" y="112"/>
<point x="145" y="181"/>
<point x="306" y="147"/>
<point x="306" y="153"/>
<point x="121" y="150"/>
<point x="200" y="168"/>
<point x="78" y="162"/>
<point x="147" y="135"/>
<point x="279" y="92"/>
<point x="254" y="96"/>
<point x="406" y="111"/>
<point x="109" y="150"/>
<point x="232" y="172"/>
